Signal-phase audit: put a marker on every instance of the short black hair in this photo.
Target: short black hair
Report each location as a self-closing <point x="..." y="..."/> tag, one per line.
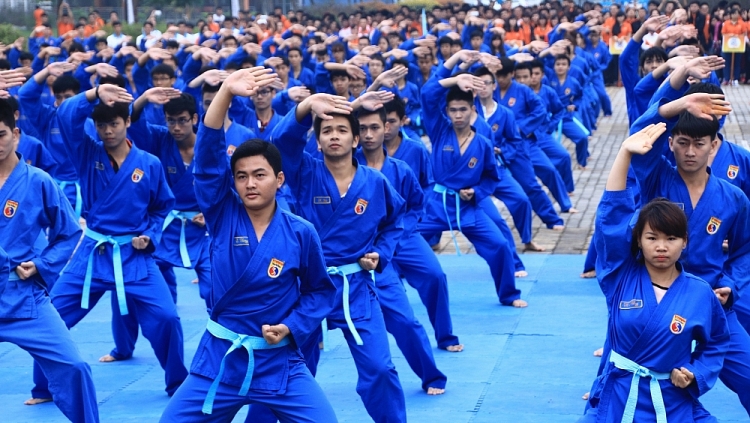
<point x="337" y="72"/>
<point x="704" y="87"/>
<point x="403" y="62"/>
<point x="184" y="103"/>
<point x="353" y="123"/>
<point x="380" y="112"/>
<point x="508" y="66"/>
<point x="7" y="114"/>
<point x="524" y="65"/>
<point x="562" y="57"/>
<point x="249" y="60"/>
<point x="104" y="113"/>
<point x="118" y="80"/>
<point x="13" y="103"/>
<point x="172" y="44"/>
<point x="696" y="127"/>
<point x="396" y="105"/>
<point x="115" y="23"/>
<point x="4" y="64"/>
<point x="257" y="147"/>
<point x="445" y="40"/>
<point x="66" y="83"/>
<point x="484" y="71"/>
<point x="457" y="94"/>
<point x="76" y="47"/>
<point x="26" y="55"/>
<point x="653" y="52"/>
<point x="475" y="34"/>
<point x="162" y="69"/>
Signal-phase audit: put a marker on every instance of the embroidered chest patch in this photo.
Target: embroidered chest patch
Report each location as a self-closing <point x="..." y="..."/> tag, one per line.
<point x="360" y="207"/>
<point x="678" y="324"/>
<point x="630" y="305"/>
<point x="732" y="171"/>
<point x="511" y="102"/>
<point x="137" y="175"/>
<point x="230" y="150"/>
<point x="567" y="91"/>
<point x="241" y="241"/>
<point x="472" y="162"/>
<point x="322" y="200"/>
<point x="494" y="127"/>
<point x="713" y="226"/>
<point x="10" y="208"/>
<point x="274" y="268"/>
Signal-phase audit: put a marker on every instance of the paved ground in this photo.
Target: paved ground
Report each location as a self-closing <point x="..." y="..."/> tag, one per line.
<point x="530" y="365"/>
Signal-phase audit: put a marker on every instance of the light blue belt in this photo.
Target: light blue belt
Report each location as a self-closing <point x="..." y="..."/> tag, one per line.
<point x="343" y="271"/>
<point x="558" y="134"/>
<point x="581" y="126"/>
<point x="116" y="241"/>
<point x="638" y="372"/>
<point x="78" y="206"/>
<point x="442" y="189"/>
<point x="184" y="216"/>
<point x="13" y="276"/>
<point x="250" y="343"/>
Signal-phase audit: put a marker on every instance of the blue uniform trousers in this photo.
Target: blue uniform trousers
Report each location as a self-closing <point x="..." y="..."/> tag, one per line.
<point x="302" y="401"/>
<point x="546" y="171"/>
<point x="49" y="342"/>
<point x="511" y="194"/>
<point x="598" y="83"/>
<point x="494" y="248"/>
<point x="415" y="261"/>
<point x="523" y="172"/>
<point x="410" y="335"/>
<point x="125" y="328"/>
<point x="492" y="212"/>
<point x="149" y="299"/>
<point x="378" y="382"/>
<point x="580" y="138"/>
<point x="559" y="157"/>
<point x="590" y="263"/>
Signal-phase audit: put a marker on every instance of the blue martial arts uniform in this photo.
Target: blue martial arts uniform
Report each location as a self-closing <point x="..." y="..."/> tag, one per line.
<point x="601" y="56"/>
<point x="119" y="205"/>
<point x="722" y="213"/>
<point x="280" y="279"/>
<point x="36" y="154"/>
<point x="569" y="92"/>
<point x="548" y="138"/>
<point x="400" y="321"/>
<point x="32" y="202"/>
<point x="414" y="259"/>
<point x="368" y="218"/>
<point x="656" y="335"/>
<point x="242" y="111"/>
<point x="474" y="168"/>
<point x="44" y="118"/>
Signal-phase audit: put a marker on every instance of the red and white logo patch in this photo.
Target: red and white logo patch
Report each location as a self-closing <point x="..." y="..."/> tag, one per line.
<point x="678" y="324"/>
<point x="137" y="175"/>
<point x="360" y="207"/>
<point x="10" y="208"/>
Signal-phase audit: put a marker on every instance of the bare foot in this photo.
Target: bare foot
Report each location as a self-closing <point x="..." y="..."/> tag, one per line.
<point x="585" y="396"/>
<point x="35" y="401"/>
<point x="520" y="303"/>
<point x="435" y="391"/>
<point x="589" y="275"/>
<point x="194" y="281"/>
<point x="107" y="359"/>
<point x="599" y="352"/>
<point x="532" y="246"/>
<point x="571" y="211"/>
<point x="579" y="167"/>
<point x="558" y="228"/>
<point x="521" y="273"/>
<point x="455" y="348"/>
<point x="321" y="345"/>
<point x="571" y="194"/>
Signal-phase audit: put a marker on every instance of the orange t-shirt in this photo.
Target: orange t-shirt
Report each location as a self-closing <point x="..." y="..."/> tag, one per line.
<point x="740" y="28"/>
<point x="626" y="30"/>
<point x="63" y="28"/>
<point x="525" y="31"/>
<point x="213" y="27"/>
<point x="609" y="23"/>
<point x="38" y="16"/>
<point x="514" y="38"/>
<point x="540" y="32"/>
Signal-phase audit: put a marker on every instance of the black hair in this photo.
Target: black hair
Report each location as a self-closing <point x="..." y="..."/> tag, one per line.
<point x="378" y="58"/>
<point x="534" y="64"/>
<point x="403" y="62"/>
<point x="704" y="87"/>
<point x="104" y="113"/>
<point x="291" y="49"/>
<point x="101" y="40"/>
<point x="76" y="47"/>
<point x="184" y="103"/>
<point x="80" y="25"/>
<point x="148" y="23"/>
<point x="114" y="23"/>
<point x="284" y="60"/>
<point x="162" y="69"/>
<point x="616" y="27"/>
<point x="118" y="80"/>
<point x="26" y="55"/>
<point x="457" y="94"/>
<point x="652" y="53"/>
<point x="475" y="34"/>
<point x="7" y="114"/>
<point x="337" y="72"/>
<point x="444" y="40"/>
<point x="172" y="44"/>
<point x="696" y="127"/>
<point x="206" y="88"/>
<point x="129" y="62"/>
<point x="380" y="112"/>
<point x="524" y="65"/>
<point x="353" y="124"/>
<point x="663" y="216"/>
<point x="257" y="147"/>
<point x="66" y="83"/>
<point x="13" y="103"/>
<point x="249" y="60"/>
<point x="396" y="105"/>
<point x="338" y="45"/>
<point x="484" y="71"/>
<point x="500" y="49"/>
<point x="508" y="66"/>
<point x="562" y="57"/>
<point x="231" y="37"/>
<point x="234" y="66"/>
<point x="4" y="64"/>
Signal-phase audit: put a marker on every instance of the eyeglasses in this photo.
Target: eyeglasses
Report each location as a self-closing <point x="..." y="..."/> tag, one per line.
<point x="180" y="122"/>
<point x="487" y="83"/>
<point x="263" y="93"/>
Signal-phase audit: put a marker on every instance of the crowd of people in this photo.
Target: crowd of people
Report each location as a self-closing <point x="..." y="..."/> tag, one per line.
<point x="303" y="167"/>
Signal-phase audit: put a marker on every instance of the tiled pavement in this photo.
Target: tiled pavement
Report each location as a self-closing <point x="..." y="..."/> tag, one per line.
<point x="576" y="236"/>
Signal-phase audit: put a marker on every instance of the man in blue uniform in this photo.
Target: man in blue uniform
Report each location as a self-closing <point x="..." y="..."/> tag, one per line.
<point x="33" y="203"/>
<point x="271" y="302"/>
